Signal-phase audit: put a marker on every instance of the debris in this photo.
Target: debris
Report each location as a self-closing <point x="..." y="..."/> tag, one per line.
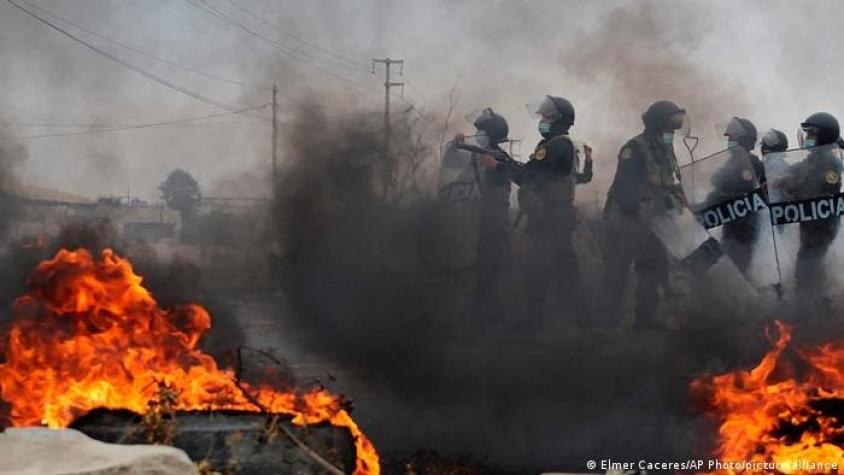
<point x="40" y="451"/>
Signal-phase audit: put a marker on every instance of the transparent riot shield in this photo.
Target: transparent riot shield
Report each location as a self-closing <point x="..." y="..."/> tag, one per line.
<point x="725" y="192"/>
<point x="456" y="227"/>
<point x="459" y="177"/>
<point x="701" y="255"/>
<point x="805" y="185"/>
<point x="804" y="188"/>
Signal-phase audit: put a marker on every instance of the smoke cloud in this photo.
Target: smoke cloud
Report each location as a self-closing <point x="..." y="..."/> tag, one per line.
<point x="366" y="277"/>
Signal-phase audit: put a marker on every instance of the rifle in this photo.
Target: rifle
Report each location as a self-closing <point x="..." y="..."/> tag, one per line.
<point x="499" y="155"/>
<point x="502" y="158"/>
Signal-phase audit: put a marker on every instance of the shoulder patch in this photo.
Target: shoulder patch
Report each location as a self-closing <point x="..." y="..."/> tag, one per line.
<point x="625" y="154"/>
<point x="540" y="153"/>
<point x="831" y="177"/>
<point x="747" y="174"/>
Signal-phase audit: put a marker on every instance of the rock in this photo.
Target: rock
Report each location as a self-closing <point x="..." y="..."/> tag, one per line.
<point x="40" y="451"/>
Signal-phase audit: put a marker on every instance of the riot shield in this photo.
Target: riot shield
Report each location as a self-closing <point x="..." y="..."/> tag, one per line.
<point x="725" y="192"/>
<point x="459" y="196"/>
<point x="459" y="178"/>
<point x="709" y="201"/>
<point x="688" y="241"/>
<point x="804" y="187"/>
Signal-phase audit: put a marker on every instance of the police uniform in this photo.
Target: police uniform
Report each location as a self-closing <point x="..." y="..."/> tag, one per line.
<point x="818" y="175"/>
<point x="645" y="176"/>
<point x="459" y="211"/>
<point x="493" y="235"/>
<point x="741" y="174"/>
<point x="546" y="197"/>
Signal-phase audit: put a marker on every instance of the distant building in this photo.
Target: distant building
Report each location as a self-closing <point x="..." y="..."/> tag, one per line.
<point x="136" y="220"/>
<point x="46" y="211"/>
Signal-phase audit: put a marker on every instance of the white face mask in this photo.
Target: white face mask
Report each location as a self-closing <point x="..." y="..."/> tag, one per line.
<point x="731" y="143"/>
<point x="482" y="139"/>
<point x="808" y="143"/>
<point x="668" y="138"/>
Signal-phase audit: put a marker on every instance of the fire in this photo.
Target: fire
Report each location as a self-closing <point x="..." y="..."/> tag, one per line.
<point x="787" y="416"/>
<point x="89" y="335"/>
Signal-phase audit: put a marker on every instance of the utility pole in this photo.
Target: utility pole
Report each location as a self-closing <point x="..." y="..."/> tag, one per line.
<point x="388" y="83"/>
<point x="275" y="142"/>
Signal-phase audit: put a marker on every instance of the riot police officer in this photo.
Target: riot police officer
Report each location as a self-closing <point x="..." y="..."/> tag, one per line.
<point x="546" y="197"/>
<point x="475" y="191"/>
<point x="647" y="176"/>
<point x="743" y="173"/>
<point x="773" y="146"/>
<point x="774" y="141"/>
<point x="494" y="181"/>
<point x="818" y="175"/>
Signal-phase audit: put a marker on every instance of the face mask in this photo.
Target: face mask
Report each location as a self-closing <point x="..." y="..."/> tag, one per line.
<point x="731" y="143"/>
<point x="808" y="143"/>
<point x="482" y="139"/>
<point x="544" y="127"/>
<point x="668" y="138"/>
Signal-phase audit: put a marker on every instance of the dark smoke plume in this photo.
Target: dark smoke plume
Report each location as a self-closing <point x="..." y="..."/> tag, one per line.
<point x="361" y="274"/>
<point x="367" y="288"/>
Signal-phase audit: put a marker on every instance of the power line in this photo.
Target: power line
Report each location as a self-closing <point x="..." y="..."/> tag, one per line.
<point x="292" y="54"/>
<point x="416" y="91"/>
<point x="138" y="70"/>
<point x="134" y="127"/>
<point x="144" y="53"/>
<point x="350" y="63"/>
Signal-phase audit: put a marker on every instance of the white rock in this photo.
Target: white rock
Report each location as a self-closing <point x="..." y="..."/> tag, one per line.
<point x="40" y="451"/>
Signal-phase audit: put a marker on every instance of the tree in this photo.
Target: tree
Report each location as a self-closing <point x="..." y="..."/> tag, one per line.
<point x="180" y="191"/>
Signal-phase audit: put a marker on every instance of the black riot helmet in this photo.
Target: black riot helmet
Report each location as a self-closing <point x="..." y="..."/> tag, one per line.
<point x="493" y="125"/>
<point x="743" y="132"/>
<point x="559" y="110"/>
<point x="663" y="116"/>
<point x="774" y="141"/>
<point x="821" y="127"/>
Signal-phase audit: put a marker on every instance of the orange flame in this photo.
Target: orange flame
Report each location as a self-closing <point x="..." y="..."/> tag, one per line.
<point x="89" y="335"/>
<point x="768" y="416"/>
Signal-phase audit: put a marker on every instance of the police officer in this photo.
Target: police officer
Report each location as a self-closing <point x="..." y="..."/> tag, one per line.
<point x="818" y="175"/>
<point x="773" y="146"/>
<point x="774" y="141"/>
<point x="742" y="173"/>
<point x="494" y="181"/>
<point x="475" y="193"/>
<point x="546" y="197"/>
<point x="647" y="176"/>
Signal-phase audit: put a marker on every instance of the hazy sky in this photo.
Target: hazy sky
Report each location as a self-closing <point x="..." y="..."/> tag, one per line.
<point x="771" y="61"/>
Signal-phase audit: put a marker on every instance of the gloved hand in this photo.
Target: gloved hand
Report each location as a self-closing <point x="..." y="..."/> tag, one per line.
<point x="587" y="159"/>
<point x="488" y="161"/>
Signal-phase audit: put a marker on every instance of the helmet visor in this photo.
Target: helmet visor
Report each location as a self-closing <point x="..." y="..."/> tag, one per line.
<point x="807" y="136"/>
<point x="679" y="121"/>
<point x="735" y="130"/>
<point x="770" y="139"/>
<point x="544" y="110"/>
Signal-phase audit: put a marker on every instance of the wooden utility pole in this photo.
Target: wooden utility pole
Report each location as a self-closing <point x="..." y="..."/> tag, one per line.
<point x="275" y="142"/>
<point x="388" y="83"/>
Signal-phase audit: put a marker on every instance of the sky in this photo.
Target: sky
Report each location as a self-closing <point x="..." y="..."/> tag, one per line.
<point x="774" y="62"/>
